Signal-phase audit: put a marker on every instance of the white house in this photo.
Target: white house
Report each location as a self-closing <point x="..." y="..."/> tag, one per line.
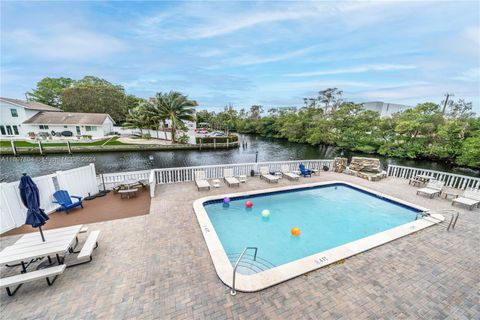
<point x="383" y="108"/>
<point x="23" y="119"/>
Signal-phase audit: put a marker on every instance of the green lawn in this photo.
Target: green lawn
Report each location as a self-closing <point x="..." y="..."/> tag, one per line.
<point x="113" y="141"/>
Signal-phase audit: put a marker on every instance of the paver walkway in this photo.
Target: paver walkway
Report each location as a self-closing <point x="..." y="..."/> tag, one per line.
<point x="157" y="266"/>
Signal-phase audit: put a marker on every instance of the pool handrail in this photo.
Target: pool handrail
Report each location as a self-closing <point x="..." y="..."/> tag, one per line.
<point x="233" y="291"/>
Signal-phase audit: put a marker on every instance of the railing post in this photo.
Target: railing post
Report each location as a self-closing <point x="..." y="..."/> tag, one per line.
<point x="152" y="183"/>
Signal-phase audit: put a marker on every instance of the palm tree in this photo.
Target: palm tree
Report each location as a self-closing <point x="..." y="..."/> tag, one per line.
<point x="177" y="108"/>
<point x="157" y="116"/>
<point x="137" y="118"/>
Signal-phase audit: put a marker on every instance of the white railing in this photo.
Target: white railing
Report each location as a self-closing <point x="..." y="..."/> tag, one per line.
<point x="451" y="179"/>
<point x="80" y="182"/>
<point x="110" y="180"/>
<point x="182" y="174"/>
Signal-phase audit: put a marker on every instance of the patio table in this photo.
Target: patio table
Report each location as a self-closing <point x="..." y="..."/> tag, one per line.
<point x="30" y="246"/>
<point x="419" y="180"/>
<point x="447" y="192"/>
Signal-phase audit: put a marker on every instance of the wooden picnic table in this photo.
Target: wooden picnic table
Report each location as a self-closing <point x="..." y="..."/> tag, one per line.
<point x="30" y="246"/>
<point x="419" y="180"/>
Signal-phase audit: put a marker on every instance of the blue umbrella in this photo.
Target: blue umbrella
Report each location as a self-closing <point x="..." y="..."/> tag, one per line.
<point x="36" y="217"/>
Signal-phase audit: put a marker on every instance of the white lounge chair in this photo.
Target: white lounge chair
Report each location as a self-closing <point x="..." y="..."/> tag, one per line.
<point x="201" y="180"/>
<point x="433" y="188"/>
<point x="470" y="198"/>
<point x="229" y="178"/>
<point x="289" y="175"/>
<point x="265" y="174"/>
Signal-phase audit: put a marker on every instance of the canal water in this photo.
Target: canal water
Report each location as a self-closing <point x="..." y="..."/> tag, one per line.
<point x="11" y="168"/>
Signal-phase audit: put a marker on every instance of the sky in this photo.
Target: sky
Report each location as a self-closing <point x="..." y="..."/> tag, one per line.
<point x="272" y="53"/>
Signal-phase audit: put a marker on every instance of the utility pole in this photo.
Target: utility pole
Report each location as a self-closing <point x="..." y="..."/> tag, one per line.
<point x="447" y="95"/>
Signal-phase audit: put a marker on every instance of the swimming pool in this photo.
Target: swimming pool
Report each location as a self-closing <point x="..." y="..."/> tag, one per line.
<point x="336" y="220"/>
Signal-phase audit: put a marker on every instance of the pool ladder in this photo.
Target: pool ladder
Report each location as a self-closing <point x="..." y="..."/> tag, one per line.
<point x="233" y="291"/>
<point x="454" y="214"/>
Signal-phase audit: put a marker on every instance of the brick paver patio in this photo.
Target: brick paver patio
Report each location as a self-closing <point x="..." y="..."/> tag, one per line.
<point x="157" y="266"/>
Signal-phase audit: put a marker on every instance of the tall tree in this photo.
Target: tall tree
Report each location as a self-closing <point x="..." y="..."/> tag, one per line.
<point x="331" y="98"/>
<point x="137" y="118"/>
<point x="49" y="91"/>
<point x="92" y="94"/>
<point x="177" y="108"/>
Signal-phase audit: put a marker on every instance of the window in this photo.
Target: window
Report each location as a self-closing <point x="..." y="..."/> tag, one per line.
<point x="14" y="113"/>
<point x="90" y="128"/>
<point x="65" y="127"/>
<point x="2" y="130"/>
<point x="9" y="130"/>
<point x="43" y="127"/>
<point x="15" y="130"/>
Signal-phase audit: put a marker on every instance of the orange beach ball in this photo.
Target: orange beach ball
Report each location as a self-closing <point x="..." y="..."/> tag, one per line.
<point x="295" y="232"/>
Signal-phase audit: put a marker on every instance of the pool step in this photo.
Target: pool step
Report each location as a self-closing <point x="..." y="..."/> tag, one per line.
<point x="248" y="265"/>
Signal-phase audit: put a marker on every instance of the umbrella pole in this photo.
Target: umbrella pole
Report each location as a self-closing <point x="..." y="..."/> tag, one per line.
<point x="41" y="233"/>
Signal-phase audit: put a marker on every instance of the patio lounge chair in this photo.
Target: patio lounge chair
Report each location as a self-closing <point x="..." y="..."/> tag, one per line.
<point x="289" y="175"/>
<point x="304" y="172"/>
<point x="433" y="188"/>
<point x="201" y="180"/>
<point x="470" y="198"/>
<point x="229" y="178"/>
<point x="65" y="200"/>
<point x="265" y="174"/>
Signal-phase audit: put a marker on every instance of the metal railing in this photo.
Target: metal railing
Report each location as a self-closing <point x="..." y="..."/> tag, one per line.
<point x="450" y="179"/>
<point x="110" y="180"/>
<point x="454" y="214"/>
<point x="233" y="291"/>
<point x="183" y="174"/>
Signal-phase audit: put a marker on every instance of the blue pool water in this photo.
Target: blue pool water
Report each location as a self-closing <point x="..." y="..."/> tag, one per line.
<point x="328" y="216"/>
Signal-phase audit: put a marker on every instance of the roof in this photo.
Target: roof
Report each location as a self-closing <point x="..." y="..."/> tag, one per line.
<point x="75" y="118"/>
<point x="32" y="105"/>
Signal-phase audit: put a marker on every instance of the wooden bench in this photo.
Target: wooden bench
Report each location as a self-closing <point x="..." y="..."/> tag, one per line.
<point x="127" y="192"/>
<point x="20" y="279"/>
<point x="87" y="249"/>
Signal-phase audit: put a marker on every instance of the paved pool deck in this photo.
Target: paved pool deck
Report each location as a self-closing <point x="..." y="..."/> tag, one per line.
<point x="157" y="266"/>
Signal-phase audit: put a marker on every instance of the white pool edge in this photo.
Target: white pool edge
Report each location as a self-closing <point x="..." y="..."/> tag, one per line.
<point x="270" y="277"/>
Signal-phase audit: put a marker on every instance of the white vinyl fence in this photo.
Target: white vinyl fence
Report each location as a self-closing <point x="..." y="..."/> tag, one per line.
<point x="450" y="179"/>
<point x="80" y="182"/>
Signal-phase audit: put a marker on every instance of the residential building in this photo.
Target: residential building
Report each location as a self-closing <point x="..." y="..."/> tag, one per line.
<point x="23" y="119"/>
<point x="383" y="108"/>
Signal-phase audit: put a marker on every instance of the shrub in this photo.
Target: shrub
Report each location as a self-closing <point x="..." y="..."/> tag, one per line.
<point x="146" y="136"/>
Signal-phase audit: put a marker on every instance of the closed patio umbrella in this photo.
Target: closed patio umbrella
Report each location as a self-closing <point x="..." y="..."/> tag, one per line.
<point x="36" y="217"/>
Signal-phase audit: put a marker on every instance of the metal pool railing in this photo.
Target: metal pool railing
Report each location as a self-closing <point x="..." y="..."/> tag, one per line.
<point x="450" y="179"/>
<point x="182" y="174"/>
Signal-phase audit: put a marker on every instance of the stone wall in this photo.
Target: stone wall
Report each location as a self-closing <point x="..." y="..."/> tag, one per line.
<point x="340" y="164"/>
<point x="365" y="164"/>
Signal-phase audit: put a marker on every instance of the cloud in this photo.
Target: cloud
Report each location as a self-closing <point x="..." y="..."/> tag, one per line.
<point x="194" y="22"/>
<point x="68" y="44"/>
<point x="469" y="75"/>
<point x="247" y="59"/>
<point x="359" y="69"/>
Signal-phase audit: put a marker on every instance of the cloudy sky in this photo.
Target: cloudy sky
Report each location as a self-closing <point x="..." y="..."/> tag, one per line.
<point x="244" y="53"/>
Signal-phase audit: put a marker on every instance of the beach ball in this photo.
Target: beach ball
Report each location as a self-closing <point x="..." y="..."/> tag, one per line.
<point x="249" y="204"/>
<point x="295" y="232"/>
<point x="265" y="213"/>
<point x="226" y="200"/>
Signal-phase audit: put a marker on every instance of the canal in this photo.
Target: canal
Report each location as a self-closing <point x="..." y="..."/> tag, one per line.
<point x="268" y="150"/>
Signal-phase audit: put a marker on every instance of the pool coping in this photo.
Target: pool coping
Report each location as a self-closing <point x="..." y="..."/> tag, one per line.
<point x="287" y="271"/>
